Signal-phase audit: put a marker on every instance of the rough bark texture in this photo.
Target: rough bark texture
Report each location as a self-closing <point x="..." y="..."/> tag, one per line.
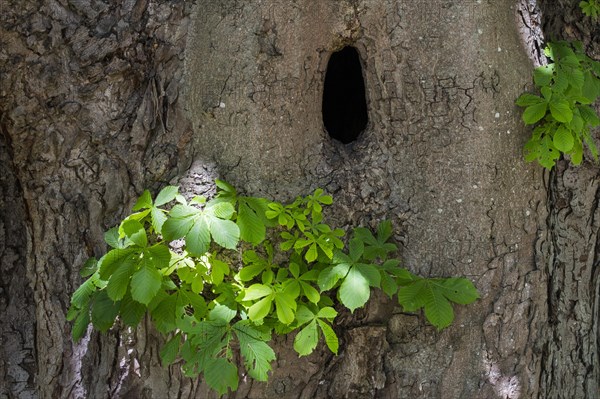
<point x="17" y="309"/>
<point x="101" y="99"/>
<point x="89" y="117"/>
<point x="441" y="158"/>
<point x="569" y="247"/>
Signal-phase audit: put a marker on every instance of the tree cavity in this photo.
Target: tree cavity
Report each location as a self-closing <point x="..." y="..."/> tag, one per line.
<point x="344" y="102"/>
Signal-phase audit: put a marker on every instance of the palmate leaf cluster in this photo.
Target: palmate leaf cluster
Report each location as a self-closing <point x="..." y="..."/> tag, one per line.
<point x="220" y="276"/>
<point x="563" y="115"/>
<point x="590" y="8"/>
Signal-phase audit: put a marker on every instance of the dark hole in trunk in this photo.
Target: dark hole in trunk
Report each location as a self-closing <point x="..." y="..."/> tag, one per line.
<point x="344" y="103"/>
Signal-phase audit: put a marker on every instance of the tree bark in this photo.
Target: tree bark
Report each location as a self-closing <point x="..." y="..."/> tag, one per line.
<point x="570" y="245"/>
<point x="441" y="158"/>
<point x="99" y="100"/>
<point x="89" y="115"/>
<point x="17" y="308"/>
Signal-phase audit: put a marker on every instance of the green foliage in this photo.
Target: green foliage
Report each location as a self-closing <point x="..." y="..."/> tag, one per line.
<point x="562" y="114"/>
<point x="590" y="8"/>
<point x="248" y="268"/>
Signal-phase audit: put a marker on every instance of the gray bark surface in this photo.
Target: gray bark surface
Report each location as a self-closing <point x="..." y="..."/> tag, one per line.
<point x="17" y="309"/>
<point x="87" y="105"/>
<point x="570" y="244"/>
<point x="99" y="100"/>
<point x="441" y="158"/>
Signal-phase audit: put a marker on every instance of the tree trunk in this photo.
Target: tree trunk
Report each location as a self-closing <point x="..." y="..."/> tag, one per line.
<point x="100" y="100"/>
<point x="570" y="246"/>
<point x="89" y="118"/>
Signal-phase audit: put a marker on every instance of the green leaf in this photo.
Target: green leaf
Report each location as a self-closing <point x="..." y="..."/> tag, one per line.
<point x="577" y="123"/>
<point x="326" y="246"/>
<point x="354" y="291"/>
<point x="275" y="210"/>
<point x="131" y="311"/>
<point x="145" y="284"/>
<point x="384" y="230"/>
<point x="220" y="210"/>
<point x="144" y="202"/>
<point x="158" y="219"/>
<point x="292" y="288"/>
<point x="197" y="240"/>
<point x="197" y="303"/>
<point x="591" y="144"/>
<point x="459" y="290"/>
<point x="357" y="248"/>
<point x="433" y="296"/>
<point x="404" y="277"/>
<point x="329" y="277"/>
<point x="527" y="99"/>
<point x="376" y="247"/>
<point x="303" y="315"/>
<point x="532" y="150"/>
<point x="165" y="313"/>
<point x="548" y="52"/>
<point x="159" y="255"/>
<point x="252" y="228"/>
<point x="225" y="233"/>
<point x="589" y="115"/>
<point x="89" y="267"/>
<point x="221" y="375"/>
<point x="563" y="139"/>
<point x="135" y="232"/>
<point x="437" y="308"/>
<point x="543" y="75"/>
<point x="113" y="260"/>
<point x="561" y="82"/>
<point x="222" y="314"/>
<point x="119" y="281"/>
<point x="254" y="349"/>
<point x="226" y="187"/>
<point x="388" y="284"/>
<point x="331" y="339"/>
<point x="534" y="113"/>
<point x="548" y="153"/>
<point x="311" y="253"/>
<point x="82" y="295"/>
<point x="327" y="313"/>
<point x="591" y="86"/>
<point x="590" y="8"/>
<point x="294" y="269"/>
<point x="111" y="237"/>
<point x="260" y="206"/>
<point x="570" y="61"/>
<point x="169" y="351"/>
<point x="370" y="272"/>
<point x="561" y="110"/>
<point x="310" y="292"/>
<point x="257" y="291"/>
<point x="81" y="324"/>
<point x="104" y="311"/>
<point x="577" y="153"/>
<point x="249" y="272"/>
<point x="218" y="271"/>
<point x="180" y="221"/>
<point x="260" y="309"/>
<point x="576" y="78"/>
<point x="412" y="296"/>
<point x="166" y="195"/>
<point x="306" y="340"/>
<point x="285" y="307"/>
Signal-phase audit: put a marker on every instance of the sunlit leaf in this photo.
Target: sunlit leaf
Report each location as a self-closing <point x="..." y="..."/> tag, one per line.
<point x="145" y="284"/>
<point x="166" y="195"/>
